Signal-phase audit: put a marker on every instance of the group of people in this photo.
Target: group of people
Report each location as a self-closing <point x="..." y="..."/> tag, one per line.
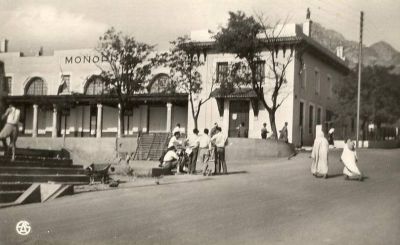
<point x="184" y="153"/>
<point x="283" y="133"/>
<point x="319" y="155"/>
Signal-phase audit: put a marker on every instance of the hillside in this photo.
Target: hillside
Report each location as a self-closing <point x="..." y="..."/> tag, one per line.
<point x="380" y="53"/>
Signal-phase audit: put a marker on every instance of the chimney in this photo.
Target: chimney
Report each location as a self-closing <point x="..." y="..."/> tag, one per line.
<point x="3" y="45"/>
<point x="307" y="27"/>
<point x="339" y="52"/>
<point x="40" y="51"/>
<point x="307" y="24"/>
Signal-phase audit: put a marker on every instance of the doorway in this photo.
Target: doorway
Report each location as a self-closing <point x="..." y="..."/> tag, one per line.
<point x="238" y="113"/>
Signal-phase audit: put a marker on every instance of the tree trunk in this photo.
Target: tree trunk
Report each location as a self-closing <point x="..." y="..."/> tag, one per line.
<point x="195" y="119"/>
<point x="273" y="124"/>
<point x="121" y="118"/>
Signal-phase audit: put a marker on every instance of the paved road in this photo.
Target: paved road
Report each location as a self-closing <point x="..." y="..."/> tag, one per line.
<point x="269" y="202"/>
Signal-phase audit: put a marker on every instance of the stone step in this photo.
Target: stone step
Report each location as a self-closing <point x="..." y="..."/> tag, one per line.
<point x="40" y="170"/>
<point x="9" y="196"/>
<point x="38" y="163"/>
<point x="34" y="158"/>
<point x="32" y="182"/>
<point x="39" y="178"/>
<point x="13" y="186"/>
<point x="41" y="153"/>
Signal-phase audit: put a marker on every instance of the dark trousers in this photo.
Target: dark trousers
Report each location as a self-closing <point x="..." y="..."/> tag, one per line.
<point x="217" y="168"/>
<point x="220" y="160"/>
<point x="193" y="160"/>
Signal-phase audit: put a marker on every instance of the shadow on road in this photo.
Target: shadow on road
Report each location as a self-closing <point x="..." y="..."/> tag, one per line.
<point x="237" y="172"/>
<point x="334" y="175"/>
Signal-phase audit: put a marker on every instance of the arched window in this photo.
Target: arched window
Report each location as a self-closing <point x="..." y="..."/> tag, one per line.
<point x="161" y="83"/>
<point x="94" y="86"/>
<point x="36" y="86"/>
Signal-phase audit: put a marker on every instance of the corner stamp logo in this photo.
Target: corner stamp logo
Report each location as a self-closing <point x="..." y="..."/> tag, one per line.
<point x="23" y="228"/>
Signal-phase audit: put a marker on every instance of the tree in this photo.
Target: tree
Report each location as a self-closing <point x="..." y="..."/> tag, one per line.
<point x="184" y="74"/>
<point x="129" y="66"/>
<point x="247" y="37"/>
<point x="380" y="96"/>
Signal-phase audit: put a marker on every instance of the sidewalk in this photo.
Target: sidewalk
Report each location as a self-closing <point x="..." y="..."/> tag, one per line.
<point x="127" y="182"/>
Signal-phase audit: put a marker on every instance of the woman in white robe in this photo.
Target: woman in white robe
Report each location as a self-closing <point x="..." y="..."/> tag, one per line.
<point x="319" y="155"/>
<point x="349" y="159"/>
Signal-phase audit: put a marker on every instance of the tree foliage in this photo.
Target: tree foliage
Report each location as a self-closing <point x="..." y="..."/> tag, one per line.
<point x="247" y="38"/>
<point x="129" y="64"/>
<point x="184" y="72"/>
<point x="380" y="96"/>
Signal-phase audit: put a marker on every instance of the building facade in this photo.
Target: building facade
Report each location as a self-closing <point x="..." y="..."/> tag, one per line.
<point x="308" y="97"/>
<point x="62" y="95"/>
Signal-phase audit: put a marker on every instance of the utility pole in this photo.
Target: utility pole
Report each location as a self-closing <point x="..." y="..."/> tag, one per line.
<point x="359" y="76"/>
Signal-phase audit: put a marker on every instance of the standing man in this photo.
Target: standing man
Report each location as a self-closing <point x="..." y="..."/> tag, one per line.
<point x="264" y="131"/>
<point x="330" y="138"/>
<point x="242" y="131"/>
<point x="193" y="144"/>
<point x="175" y="140"/>
<point x="11" y="128"/>
<point x="204" y="151"/>
<point x="220" y="141"/>
<point x="213" y="147"/>
<point x="176" y="129"/>
<point x="284" y="133"/>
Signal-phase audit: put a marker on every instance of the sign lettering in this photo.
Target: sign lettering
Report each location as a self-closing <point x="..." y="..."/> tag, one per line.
<point x="85" y="59"/>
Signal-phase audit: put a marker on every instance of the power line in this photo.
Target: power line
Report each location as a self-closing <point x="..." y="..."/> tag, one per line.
<point x="341" y="8"/>
<point x="336" y="14"/>
<point x="331" y="19"/>
<point x="351" y="7"/>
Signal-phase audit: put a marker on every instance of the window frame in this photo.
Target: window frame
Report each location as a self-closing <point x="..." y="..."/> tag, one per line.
<point x="33" y="82"/>
<point x="96" y="82"/>
<point x="9" y="83"/>
<point x="317" y="83"/>
<point x="329" y="80"/>
<point x="311" y="123"/>
<point x="68" y="83"/>
<point x="319" y="109"/>
<point x="220" y="64"/>
<point x="303" y="77"/>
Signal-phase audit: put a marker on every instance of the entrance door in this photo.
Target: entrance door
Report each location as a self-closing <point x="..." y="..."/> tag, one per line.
<point x="157" y="118"/>
<point x="238" y="113"/>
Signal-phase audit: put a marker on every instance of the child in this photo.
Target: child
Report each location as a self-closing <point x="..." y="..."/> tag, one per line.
<point x="349" y="159"/>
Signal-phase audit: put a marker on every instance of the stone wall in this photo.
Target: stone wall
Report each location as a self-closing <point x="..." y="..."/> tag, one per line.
<point x="83" y="151"/>
<point x="240" y="149"/>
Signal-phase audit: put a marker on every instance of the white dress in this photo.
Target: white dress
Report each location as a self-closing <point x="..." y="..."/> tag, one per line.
<point x="319" y="155"/>
<point x="349" y="159"/>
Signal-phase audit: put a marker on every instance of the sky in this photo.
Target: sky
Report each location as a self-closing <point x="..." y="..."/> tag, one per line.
<point x="71" y="24"/>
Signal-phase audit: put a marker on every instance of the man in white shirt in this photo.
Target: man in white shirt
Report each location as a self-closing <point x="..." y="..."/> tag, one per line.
<point x="174" y="141"/>
<point x="171" y="159"/>
<point x="177" y="129"/>
<point x="219" y="140"/>
<point x="193" y="144"/>
<point x="204" y="151"/>
<point x="10" y="129"/>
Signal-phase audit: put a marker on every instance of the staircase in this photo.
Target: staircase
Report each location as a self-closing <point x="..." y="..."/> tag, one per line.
<point x="151" y="146"/>
<point x="33" y="166"/>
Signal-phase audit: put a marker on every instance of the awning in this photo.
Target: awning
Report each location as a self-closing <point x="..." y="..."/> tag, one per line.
<point x="81" y="99"/>
<point x="240" y="93"/>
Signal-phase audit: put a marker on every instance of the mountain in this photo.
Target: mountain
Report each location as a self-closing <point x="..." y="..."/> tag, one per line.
<point x="380" y="53"/>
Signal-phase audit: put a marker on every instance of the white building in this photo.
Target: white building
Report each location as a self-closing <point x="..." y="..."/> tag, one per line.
<point x="80" y="108"/>
<point x="309" y="97"/>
